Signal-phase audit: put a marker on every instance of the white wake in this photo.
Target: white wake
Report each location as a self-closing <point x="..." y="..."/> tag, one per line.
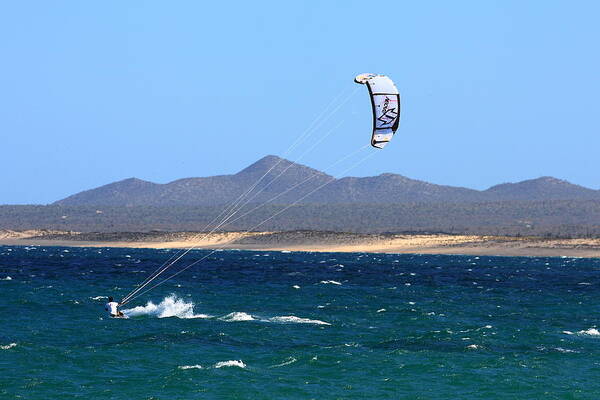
<point x="171" y="306"/>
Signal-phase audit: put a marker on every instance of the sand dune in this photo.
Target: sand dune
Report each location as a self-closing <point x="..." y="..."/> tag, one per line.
<point x="315" y="241"/>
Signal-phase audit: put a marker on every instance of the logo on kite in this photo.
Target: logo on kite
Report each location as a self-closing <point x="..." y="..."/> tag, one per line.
<point x="388" y="115"/>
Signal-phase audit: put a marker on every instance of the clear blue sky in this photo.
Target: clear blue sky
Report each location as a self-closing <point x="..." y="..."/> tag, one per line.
<point x="492" y="91"/>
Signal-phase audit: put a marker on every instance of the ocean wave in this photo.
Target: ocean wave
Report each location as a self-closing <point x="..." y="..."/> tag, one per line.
<point x="291" y="319"/>
<point x="99" y="298"/>
<point x="220" y="364"/>
<point x="556" y="349"/>
<point x="8" y="278"/>
<point x="330" y="282"/>
<point x="197" y="366"/>
<point x="230" y="363"/>
<point x="563" y="350"/>
<point x="590" y="332"/>
<point x="237" y="317"/>
<point x="171" y="306"/>
<point x="287" y="361"/>
<point x="8" y="346"/>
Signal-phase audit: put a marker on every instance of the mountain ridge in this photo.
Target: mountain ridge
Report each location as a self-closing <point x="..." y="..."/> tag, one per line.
<point x="289" y="181"/>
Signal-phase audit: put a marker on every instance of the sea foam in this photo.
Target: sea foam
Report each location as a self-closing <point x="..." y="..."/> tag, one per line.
<point x="8" y="346"/>
<point x="287" y="361"/>
<point x="190" y="366"/>
<point x="591" y="332"/>
<point x="330" y="282"/>
<point x="291" y="319"/>
<point x="237" y="317"/>
<point x="230" y="363"/>
<point x="171" y="306"/>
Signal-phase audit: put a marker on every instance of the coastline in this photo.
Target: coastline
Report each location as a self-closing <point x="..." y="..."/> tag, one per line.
<point x="315" y="241"/>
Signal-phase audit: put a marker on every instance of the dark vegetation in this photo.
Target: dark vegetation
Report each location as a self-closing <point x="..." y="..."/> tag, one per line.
<point x="552" y="218"/>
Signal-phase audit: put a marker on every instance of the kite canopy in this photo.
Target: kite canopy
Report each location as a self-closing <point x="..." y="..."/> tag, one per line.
<point x="385" y="100"/>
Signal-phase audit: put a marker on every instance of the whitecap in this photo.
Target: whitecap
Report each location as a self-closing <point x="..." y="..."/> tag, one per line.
<point x="591" y="332"/>
<point x="291" y="319"/>
<point x="285" y="251"/>
<point x="331" y="282"/>
<point x="171" y="306"/>
<point x="8" y="346"/>
<point x="296" y="287"/>
<point x="381" y="310"/>
<point x="197" y="366"/>
<point x="98" y="298"/>
<point x="472" y="347"/>
<point x="567" y="332"/>
<point x="230" y="363"/>
<point x="287" y="361"/>
<point x="8" y="278"/>
<point x="237" y="317"/>
<point x="563" y="350"/>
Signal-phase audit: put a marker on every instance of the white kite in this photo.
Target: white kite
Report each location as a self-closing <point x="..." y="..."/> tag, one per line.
<point x="385" y="100"/>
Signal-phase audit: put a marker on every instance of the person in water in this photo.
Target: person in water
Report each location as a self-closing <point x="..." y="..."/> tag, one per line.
<point x="112" y="307"/>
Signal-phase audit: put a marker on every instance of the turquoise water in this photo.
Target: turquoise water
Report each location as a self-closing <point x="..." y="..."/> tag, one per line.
<point x="273" y="325"/>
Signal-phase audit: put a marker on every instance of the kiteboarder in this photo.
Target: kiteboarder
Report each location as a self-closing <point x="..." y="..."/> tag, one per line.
<point x="112" y="307"/>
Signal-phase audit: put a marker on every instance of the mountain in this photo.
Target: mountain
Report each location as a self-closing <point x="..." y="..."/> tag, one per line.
<point x="271" y="175"/>
<point x="544" y="188"/>
<point x="285" y="182"/>
<point x="392" y="188"/>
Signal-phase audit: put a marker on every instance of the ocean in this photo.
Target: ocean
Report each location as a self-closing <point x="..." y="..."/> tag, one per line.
<point x="302" y="325"/>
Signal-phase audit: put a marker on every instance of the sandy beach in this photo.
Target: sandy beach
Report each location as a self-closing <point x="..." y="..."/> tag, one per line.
<point x="315" y="241"/>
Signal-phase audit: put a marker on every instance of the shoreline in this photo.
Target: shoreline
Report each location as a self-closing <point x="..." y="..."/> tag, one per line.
<point x="315" y="241"/>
